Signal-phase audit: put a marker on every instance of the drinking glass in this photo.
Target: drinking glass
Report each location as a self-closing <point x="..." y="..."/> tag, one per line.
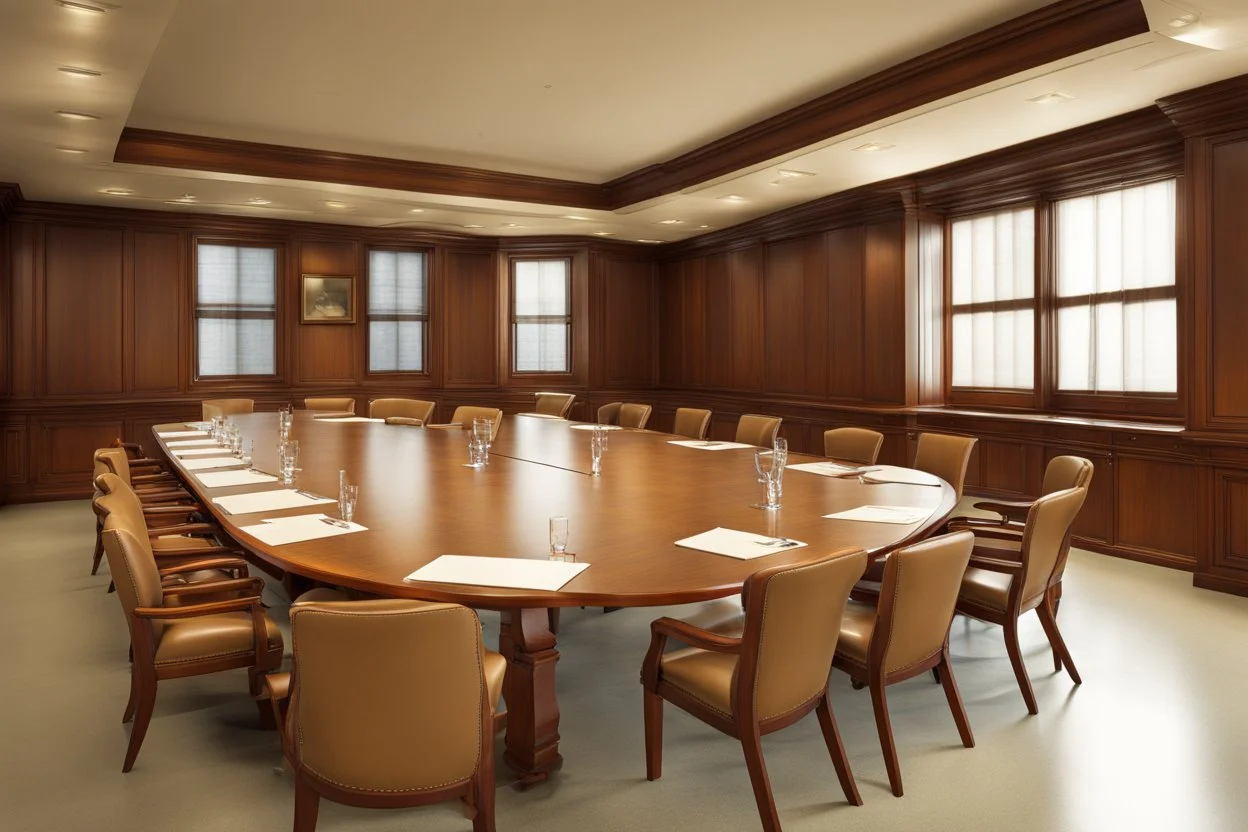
<point x="597" y="445"/>
<point x="483" y="429"/>
<point x="780" y="457"/>
<point x="478" y="451"/>
<point x="558" y="538"/>
<point x="765" y="465"/>
<point x="248" y="453"/>
<point x="350" y="496"/>
<point x="288" y="456"/>
<point x="342" y="489"/>
<point x="236" y="442"/>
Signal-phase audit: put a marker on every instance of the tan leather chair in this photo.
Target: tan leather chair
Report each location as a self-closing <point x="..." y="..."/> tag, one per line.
<point x="194" y="638"/>
<point x="908" y="633"/>
<point x="213" y="408"/>
<point x="758" y="430"/>
<point x="609" y="414"/>
<point x="331" y="404"/>
<point x="424" y="735"/>
<point x="413" y="409"/>
<point x="769" y="677"/>
<point x="945" y="456"/>
<point x="555" y="404"/>
<point x="464" y="415"/>
<point x="1061" y="473"/>
<point x="139" y="462"/>
<point x="634" y="416"/>
<point x="691" y="422"/>
<point x="176" y="504"/>
<point x="852" y="445"/>
<point x="999" y="591"/>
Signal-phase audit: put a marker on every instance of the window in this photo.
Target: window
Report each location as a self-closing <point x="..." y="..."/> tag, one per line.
<point x="236" y="310"/>
<point x="1116" y="308"/>
<point x="541" y="319"/>
<point x="992" y="259"/>
<point x="398" y="311"/>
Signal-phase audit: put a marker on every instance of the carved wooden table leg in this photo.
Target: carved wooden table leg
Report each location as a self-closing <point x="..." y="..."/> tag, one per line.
<point x="532" y="709"/>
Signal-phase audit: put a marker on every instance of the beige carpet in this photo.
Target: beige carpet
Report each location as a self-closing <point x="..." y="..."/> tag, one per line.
<point x="1155" y="739"/>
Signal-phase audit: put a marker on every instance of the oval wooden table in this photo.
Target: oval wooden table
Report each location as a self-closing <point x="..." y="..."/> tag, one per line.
<point x="420" y="501"/>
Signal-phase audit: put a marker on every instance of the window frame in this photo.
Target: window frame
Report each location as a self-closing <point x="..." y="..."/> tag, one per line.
<point x="513" y="319"/>
<point x="401" y="376"/>
<point x="277" y="377"/>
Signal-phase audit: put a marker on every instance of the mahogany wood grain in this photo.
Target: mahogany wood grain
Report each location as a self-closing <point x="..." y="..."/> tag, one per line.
<point x="158" y="260"/>
<point x="470" y="343"/>
<point x="82" y="344"/>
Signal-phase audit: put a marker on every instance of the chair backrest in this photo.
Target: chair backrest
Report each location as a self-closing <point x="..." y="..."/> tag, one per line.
<point x="407" y="408"/>
<point x="852" y="445"/>
<point x="113" y="461"/>
<point x="946" y="456"/>
<point x="609" y="414"/>
<point x="758" y="430"/>
<point x="331" y="404"/>
<point x="129" y="552"/>
<point x="792" y="620"/>
<point x="555" y="404"/>
<point x="418" y="725"/>
<point x="917" y="597"/>
<point x="1064" y="472"/>
<point x="634" y="415"/>
<point x="117" y="500"/>
<point x="212" y="408"/>
<point x="464" y="414"/>
<point x="691" y="422"/>
<point x="1046" y="539"/>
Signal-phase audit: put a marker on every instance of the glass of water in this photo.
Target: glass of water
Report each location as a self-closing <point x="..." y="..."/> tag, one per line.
<point x="288" y="457"/>
<point x="248" y="453"/>
<point x="559" y="538"/>
<point x="765" y="465"/>
<point x="350" y="496"/>
<point x="597" y="444"/>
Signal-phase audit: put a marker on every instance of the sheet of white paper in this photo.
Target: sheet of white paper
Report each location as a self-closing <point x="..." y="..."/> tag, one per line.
<point x="540" y="415"/>
<point x="509" y="573"/>
<point x="740" y="545"/>
<point x="277" y="500"/>
<point x="192" y="443"/>
<point x="596" y="427"/>
<point x="222" y="479"/>
<point x="901" y="515"/>
<point x="707" y="444"/>
<point x="283" y="530"/>
<point x="336" y="420"/>
<point x="213" y="462"/>
<point x="177" y="434"/>
<point x="909" y="476"/>
<point x="827" y="469"/>
<point x="181" y="452"/>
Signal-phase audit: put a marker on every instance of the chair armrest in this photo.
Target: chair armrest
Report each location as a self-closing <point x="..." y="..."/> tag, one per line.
<point x="141" y="479"/>
<point x="206" y="563"/>
<point x="197" y="553"/>
<point x="694" y="636"/>
<point x="998" y="533"/>
<point x="255" y="585"/>
<point x="995" y="565"/>
<point x="450" y="426"/>
<point x="171" y="511"/>
<point x="1010" y="509"/>
<point x="197" y="610"/>
<point x="164" y="496"/>
<point x="405" y="420"/>
<point x="183" y="528"/>
<point x="277" y="686"/>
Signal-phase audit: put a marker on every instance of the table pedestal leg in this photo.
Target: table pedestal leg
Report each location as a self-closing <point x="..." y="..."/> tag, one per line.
<point x="532" y="709"/>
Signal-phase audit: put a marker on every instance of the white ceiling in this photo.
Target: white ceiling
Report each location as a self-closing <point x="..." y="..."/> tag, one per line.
<point x="464" y="82"/>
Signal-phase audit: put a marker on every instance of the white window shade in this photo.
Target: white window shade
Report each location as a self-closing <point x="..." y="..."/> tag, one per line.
<point x="236" y="310"/>
<point x="397" y="310"/>
<point x="541" y="315"/>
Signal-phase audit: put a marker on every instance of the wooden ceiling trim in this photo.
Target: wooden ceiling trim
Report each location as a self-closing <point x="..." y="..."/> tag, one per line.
<point x="1215" y="108"/>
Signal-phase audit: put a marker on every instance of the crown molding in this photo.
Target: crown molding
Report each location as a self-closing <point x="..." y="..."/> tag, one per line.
<point x="10" y="198"/>
<point x="1221" y="107"/>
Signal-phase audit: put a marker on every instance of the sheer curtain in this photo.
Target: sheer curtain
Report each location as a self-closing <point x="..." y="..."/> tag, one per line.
<point x="236" y="310"/>
<point x="397" y="311"/>
<point x="542" y="316"/>
<point x="1116" y="308"/>
<point x="993" y="300"/>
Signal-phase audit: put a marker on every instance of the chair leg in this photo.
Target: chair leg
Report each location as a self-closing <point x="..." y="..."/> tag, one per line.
<point x="134" y="697"/>
<point x="1052" y="598"/>
<point x="307" y="803"/>
<point x="955" y="700"/>
<point x="885" y="729"/>
<point x="752" y="745"/>
<point x="936" y="674"/>
<point x="483" y="798"/>
<point x="1048" y="619"/>
<point x="99" y="551"/>
<point x="653" y="704"/>
<point x="832" y="737"/>
<point x="1020" y="669"/>
<point x="145" y="694"/>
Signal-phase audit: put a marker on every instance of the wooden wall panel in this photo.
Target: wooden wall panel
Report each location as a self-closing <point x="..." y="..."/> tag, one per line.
<point x="844" y="248"/>
<point x="65" y="450"/>
<point x="784" y="316"/>
<point x="1158" y="506"/>
<point x="25" y="268"/>
<point x="747" y="318"/>
<point x="159" y="284"/>
<point x="719" y="320"/>
<point x="670" y="294"/>
<point x="15" y="462"/>
<point x="470" y="335"/>
<point x="328" y="352"/>
<point x="82" y="343"/>
<point x="1229" y="282"/>
<point x="884" y="318"/>
<point x="693" y="276"/>
<point x="627" y="338"/>
<point x="1230" y="549"/>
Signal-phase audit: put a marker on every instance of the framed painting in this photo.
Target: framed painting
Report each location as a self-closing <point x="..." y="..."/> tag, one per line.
<point x="327" y="299"/>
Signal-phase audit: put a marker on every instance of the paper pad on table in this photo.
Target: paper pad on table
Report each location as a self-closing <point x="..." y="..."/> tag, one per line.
<point x="337" y="419"/>
<point x="297" y="529"/>
<point x="192" y="443"/>
<point x="267" y="500"/>
<point x="741" y="545"/>
<point x="596" y="427"/>
<point x="175" y="434"/>
<point x="909" y="476"/>
<point x="707" y="445"/>
<point x="210" y="462"/>
<point x="181" y="452"/>
<point x="827" y="469"/>
<point x="508" y="573"/>
<point x="903" y="515"/>
<point x="223" y="479"/>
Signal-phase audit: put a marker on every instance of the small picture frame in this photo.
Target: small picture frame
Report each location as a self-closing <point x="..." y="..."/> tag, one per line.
<point x="327" y="299"/>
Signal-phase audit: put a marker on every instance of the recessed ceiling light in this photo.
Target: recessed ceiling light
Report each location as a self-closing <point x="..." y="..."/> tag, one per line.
<point x="79" y="71"/>
<point x="1184" y="21"/>
<point x="670" y="222"/>
<point x="706" y="226"/>
<point x="732" y="198"/>
<point x="74" y="5"/>
<point x="1051" y="98"/>
<point x="576" y="217"/>
<point x="258" y="200"/>
<point x="651" y="241"/>
<point x="873" y="147"/>
<point x="794" y="174"/>
<point x="185" y="199"/>
<point x="473" y="225"/>
<point x="74" y="115"/>
<point x="512" y="225"/>
<point x="603" y="233"/>
<point x="333" y="203"/>
<point x="416" y="210"/>
<point x="116" y="191"/>
<point x="75" y="150"/>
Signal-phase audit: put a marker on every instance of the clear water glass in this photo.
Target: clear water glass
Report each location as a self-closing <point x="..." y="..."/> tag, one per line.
<point x="288" y="458"/>
<point x="765" y="465"/>
<point x="248" y="453"/>
<point x="350" y="496"/>
<point x="597" y="444"/>
<point x="780" y="458"/>
<point x="483" y="429"/>
<point x="559" y="538"/>
<point x="342" y="489"/>
<point x="478" y="452"/>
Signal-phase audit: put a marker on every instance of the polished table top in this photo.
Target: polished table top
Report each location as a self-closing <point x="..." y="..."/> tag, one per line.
<point x="419" y="501"/>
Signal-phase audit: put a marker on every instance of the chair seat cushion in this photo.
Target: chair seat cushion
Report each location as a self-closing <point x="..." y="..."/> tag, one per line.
<point x="857" y="625"/>
<point x="212" y="636"/>
<point x="985" y="588"/>
<point x="495" y="667"/>
<point x="703" y="674"/>
<point x="723" y="616"/>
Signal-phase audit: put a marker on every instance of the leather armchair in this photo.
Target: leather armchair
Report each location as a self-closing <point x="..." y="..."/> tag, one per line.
<point x="770" y="676"/>
<point x="609" y="414"/>
<point x="1061" y="473"/>
<point x="945" y="456"/>
<point x="908" y="633"/>
<point x="758" y="430"/>
<point x="212" y="408"/>
<point x="857" y="445"/>
<point x="423" y="736"/>
<point x="1000" y="591"/>
<point x="465" y="414"/>
<point x="691" y="422"/>
<point x="402" y="408"/>
<point x="332" y="404"/>
<point x="161" y="491"/>
<point x="634" y="416"/>
<point x="555" y="404"/>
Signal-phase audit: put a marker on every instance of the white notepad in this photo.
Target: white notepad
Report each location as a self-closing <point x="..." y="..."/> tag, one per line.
<point x="277" y="500"/>
<point x="282" y="530"/>
<point x="223" y="479"/>
<point x="830" y="469"/>
<point x="336" y="419"/>
<point x="181" y="452"/>
<point x="211" y="462"/>
<point x="902" y="515"/>
<point x="909" y="476"/>
<point x="176" y="434"/>
<point x="508" y="573"/>
<point x="192" y="443"/>
<point x="595" y="427"/>
<point x="740" y="545"/>
<point x="707" y="444"/>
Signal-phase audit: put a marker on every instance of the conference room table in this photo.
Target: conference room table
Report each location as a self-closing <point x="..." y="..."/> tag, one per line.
<point x="419" y="500"/>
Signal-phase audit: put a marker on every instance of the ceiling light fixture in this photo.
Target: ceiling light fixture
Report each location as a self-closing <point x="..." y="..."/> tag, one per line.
<point x="75" y="6"/>
<point x="512" y="225"/>
<point x="74" y="115"/>
<point x="74" y="150"/>
<point x="116" y="191"/>
<point x="670" y="222"/>
<point x="794" y="174"/>
<point x="651" y="241"/>
<point x="705" y="226"/>
<point x="79" y="71"/>
<point x="576" y="217"/>
<point x="185" y="199"/>
<point x="258" y="200"/>
<point x="1051" y="98"/>
<point x="873" y="147"/>
<point x="333" y="203"/>
<point x="1184" y="21"/>
<point x="474" y="225"/>
<point x="603" y="233"/>
<point x="732" y="198"/>
<point x="416" y="210"/>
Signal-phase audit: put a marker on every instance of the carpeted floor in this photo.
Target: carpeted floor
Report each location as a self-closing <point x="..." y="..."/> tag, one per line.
<point x="1155" y="739"/>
